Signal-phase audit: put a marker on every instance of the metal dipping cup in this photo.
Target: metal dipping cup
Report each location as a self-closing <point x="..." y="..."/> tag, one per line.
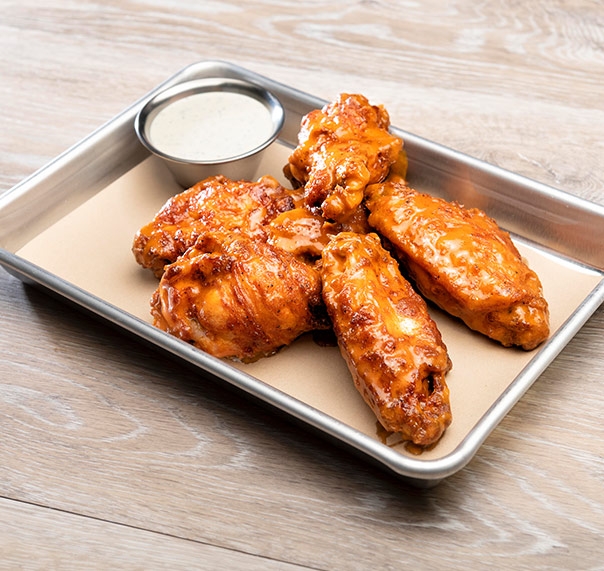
<point x="187" y="172"/>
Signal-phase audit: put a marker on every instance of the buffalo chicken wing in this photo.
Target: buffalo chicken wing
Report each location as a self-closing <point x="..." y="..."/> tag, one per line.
<point x="392" y="346"/>
<point x="342" y="148"/>
<point x="461" y="260"/>
<point x="216" y="203"/>
<point x="238" y="296"/>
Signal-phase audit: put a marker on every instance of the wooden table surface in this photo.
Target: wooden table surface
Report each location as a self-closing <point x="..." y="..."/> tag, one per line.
<point x="112" y="456"/>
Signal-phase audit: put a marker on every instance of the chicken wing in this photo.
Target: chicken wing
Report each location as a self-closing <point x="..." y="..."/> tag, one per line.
<point x="342" y="148"/>
<point x="213" y="204"/>
<point x="461" y="260"/>
<point x="392" y="346"/>
<point x="238" y="296"/>
<point x="305" y="233"/>
<point x="300" y="232"/>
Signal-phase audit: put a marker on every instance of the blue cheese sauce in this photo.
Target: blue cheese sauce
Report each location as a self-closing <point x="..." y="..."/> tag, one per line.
<point x="211" y="126"/>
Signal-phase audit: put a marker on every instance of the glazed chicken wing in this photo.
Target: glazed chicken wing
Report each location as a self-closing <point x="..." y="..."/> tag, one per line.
<point x="392" y="346"/>
<point x="215" y="203"/>
<point x="238" y="296"/>
<point x="342" y="148"/>
<point x="305" y="233"/>
<point x="300" y="232"/>
<point x="461" y="260"/>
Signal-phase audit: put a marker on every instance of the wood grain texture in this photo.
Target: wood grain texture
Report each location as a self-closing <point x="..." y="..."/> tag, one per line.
<point x="34" y="538"/>
<point x="112" y="453"/>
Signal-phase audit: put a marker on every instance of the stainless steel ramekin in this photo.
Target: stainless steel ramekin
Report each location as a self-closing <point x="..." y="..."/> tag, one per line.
<point x="239" y="167"/>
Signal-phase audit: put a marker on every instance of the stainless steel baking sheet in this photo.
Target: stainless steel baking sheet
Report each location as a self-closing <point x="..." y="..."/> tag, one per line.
<point x="109" y="180"/>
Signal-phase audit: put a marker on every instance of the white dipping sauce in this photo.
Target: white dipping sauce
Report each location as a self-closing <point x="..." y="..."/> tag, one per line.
<point x="211" y="126"/>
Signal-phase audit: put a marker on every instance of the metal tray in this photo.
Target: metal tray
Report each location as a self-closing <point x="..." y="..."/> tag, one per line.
<point x="558" y="233"/>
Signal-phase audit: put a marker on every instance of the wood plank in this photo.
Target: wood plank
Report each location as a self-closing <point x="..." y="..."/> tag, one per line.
<point x="33" y="537"/>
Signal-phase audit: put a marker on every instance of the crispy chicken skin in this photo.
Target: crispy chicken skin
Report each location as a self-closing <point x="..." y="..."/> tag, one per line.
<point x="392" y="346"/>
<point x="305" y="233"/>
<point x="213" y="204"/>
<point x="341" y="149"/>
<point x="300" y="232"/>
<point x="461" y="260"/>
<point x="238" y="296"/>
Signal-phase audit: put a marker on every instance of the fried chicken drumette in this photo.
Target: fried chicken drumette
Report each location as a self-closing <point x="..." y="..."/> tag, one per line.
<point x="392" y="346"/>
<point x="237" y="296"/>
<point x="216" y="203"/>
<point x="341" y="149"/>
<point x="461" y="260"/>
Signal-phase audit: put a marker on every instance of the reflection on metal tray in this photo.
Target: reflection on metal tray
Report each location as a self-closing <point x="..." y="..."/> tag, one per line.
<point x="109" y="179"/>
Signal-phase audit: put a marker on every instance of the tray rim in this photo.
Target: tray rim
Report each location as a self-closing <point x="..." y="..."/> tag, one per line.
<point x="424" y="473"/>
